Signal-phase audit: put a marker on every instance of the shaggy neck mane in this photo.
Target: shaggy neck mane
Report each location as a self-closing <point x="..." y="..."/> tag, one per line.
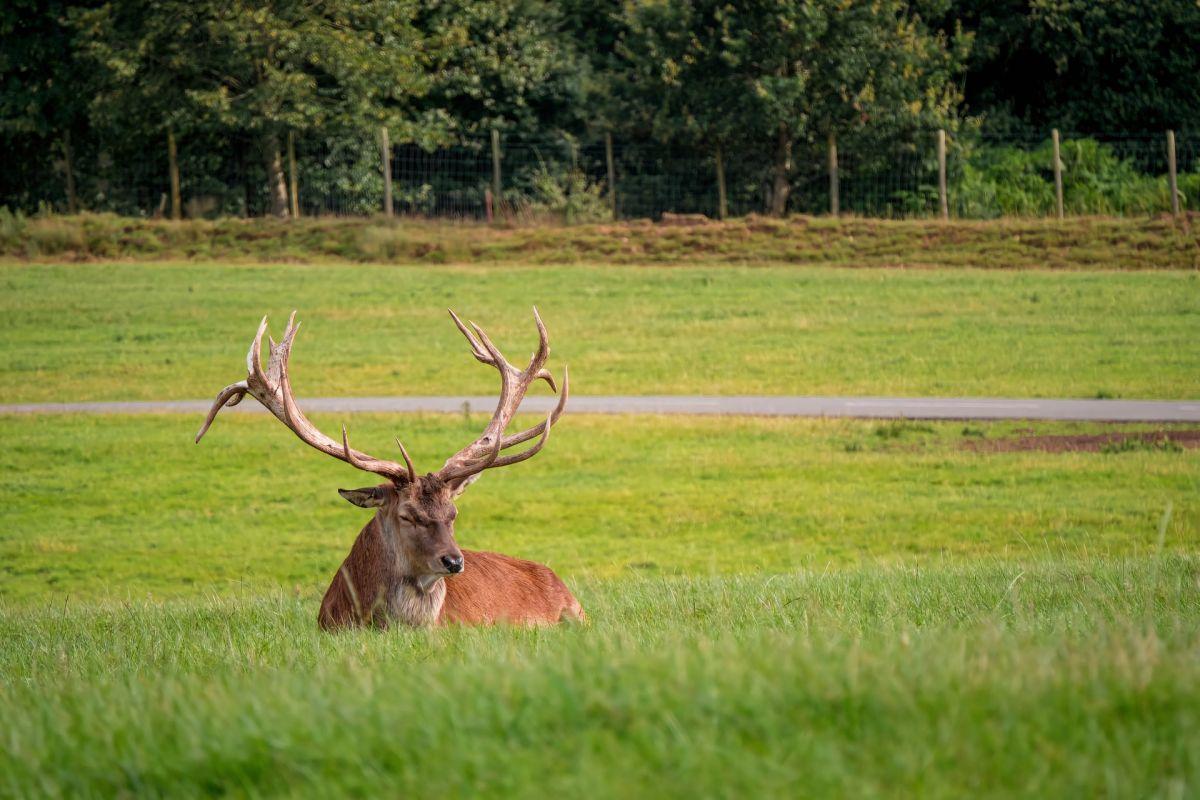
<point x="414" y="600"/>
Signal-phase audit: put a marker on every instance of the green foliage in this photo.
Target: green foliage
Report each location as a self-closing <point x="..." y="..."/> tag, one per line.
<point x="1120" y="65"/>
<point x="995" y="181"/>
<point x="568" y="196"/>
<point x="12" y="229"/>
<point x="255" y="67"/>
<point x="782" y="77"/>
<point x="88" y="89"/>
<point x="502" y="64"/>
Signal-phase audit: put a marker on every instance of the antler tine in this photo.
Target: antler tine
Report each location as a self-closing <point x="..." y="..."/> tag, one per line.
<point x="412" y="473"/>
<point x="230" y="395"/>
<point x="368" y="464"/>
<point x="497" y="358"/>
<point x="544" y="375"/>
<point x="543" y="351"/>
<point x="514" y="384"/>
<point x="476" y="349"/>
<point x="299" y="424"/>
<point x="526" y="435"/>
<point x="531" y="452"/>
<point x="351" y="456"/>
<point x="273" y="388"/>
<point x="254" y="354"/>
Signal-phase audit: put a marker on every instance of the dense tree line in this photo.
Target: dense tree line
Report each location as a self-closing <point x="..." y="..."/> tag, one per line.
<point x="102" y="82"/>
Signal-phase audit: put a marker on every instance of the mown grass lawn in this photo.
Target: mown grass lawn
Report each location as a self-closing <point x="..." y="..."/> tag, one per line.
<point x="120" y="331"/>
<point x="94" y="506"/>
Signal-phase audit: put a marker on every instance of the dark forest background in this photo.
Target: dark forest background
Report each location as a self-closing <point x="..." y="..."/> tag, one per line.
<point x="91" y="93"/>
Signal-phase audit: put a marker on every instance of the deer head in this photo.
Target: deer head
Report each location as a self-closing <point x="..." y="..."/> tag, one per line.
<point x="417" y="511"/>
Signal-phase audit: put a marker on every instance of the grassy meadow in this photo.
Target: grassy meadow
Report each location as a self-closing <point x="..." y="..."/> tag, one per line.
<point x="127" y="506"/>
<point x="777" y="607"/>
<point x="162" y="331"/>
<point x="987" y="679"/>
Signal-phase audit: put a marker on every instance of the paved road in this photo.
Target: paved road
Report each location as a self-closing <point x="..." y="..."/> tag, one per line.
<point x="867" y="407"/>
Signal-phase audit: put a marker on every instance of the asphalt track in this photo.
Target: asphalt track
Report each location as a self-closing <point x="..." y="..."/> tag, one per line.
<point x="965" y="408"/>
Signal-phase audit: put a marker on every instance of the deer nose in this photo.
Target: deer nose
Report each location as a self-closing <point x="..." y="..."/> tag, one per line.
<point x="453" y="564"/>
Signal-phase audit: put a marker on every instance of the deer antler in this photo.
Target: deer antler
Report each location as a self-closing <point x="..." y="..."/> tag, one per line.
<point x="484" y="452"/>
<point x="273" y="388"/>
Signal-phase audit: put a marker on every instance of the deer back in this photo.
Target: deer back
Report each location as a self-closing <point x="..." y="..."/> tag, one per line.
<point x="497" y="588"/>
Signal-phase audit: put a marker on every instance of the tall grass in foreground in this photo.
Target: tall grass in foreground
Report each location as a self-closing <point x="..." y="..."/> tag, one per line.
<point x="1050" y="678"/>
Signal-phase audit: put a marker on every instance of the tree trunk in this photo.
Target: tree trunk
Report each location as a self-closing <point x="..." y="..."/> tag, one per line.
<point x="277" y="191"/>
<point x="781" y="185"/>
<point x="69" y="163"/>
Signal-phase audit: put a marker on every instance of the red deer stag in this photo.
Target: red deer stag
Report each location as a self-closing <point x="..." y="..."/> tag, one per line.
<point x="405" y="564"/>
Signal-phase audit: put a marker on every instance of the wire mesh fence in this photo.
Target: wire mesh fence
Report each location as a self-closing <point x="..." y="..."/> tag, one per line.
<point x="579" y="179"/>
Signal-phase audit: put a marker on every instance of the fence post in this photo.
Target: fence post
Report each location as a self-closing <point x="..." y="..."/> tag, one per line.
<point x="1172" y="179"/>
<point x="173" y="166"/>
<point x="1058" y="189"/>
<point x="386" y="148"/>
<point x="68" y="162"/>
<point x="612" y="173"/>
<point x="834" y="199"/>
<point x="496" y="165"/>
<point x="295" y="189"/>
<point x="722" y="198"/>
<point x="943" y="200"/>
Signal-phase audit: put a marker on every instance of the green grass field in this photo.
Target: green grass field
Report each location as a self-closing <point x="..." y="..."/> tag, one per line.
<point x="113" y="331"/>
<point x="776" y="607"/>
<point x="104" y="506"/>
<point x="993" y="680"/>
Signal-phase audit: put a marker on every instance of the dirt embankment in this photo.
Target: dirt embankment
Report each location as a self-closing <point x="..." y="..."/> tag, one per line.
<point x="1079" y="243"/>
<point x="1117" y="441"/>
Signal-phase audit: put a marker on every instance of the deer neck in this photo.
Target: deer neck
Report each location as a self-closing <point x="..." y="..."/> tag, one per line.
<point x="411" y="599"/>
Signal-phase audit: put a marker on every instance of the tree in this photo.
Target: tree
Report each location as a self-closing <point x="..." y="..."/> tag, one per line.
<point x="777" y="74"/>
<point x="43" y="94"/>
<point x="503" y="64"/>
<point x="1117" y="66"/>
<point x="264" y="68"/>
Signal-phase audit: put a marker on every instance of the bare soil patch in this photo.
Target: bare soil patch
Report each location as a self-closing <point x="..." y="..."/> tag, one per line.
<point x="1091" y="443"/>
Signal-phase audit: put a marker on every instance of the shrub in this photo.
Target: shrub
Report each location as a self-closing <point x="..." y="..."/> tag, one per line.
<point x="12" y="229"/>
<point x="1008" y="181"/>
<point x="54" y="235"/>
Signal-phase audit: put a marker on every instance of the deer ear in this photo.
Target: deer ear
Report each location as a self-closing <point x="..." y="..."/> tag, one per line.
<point x="370" y="497"/>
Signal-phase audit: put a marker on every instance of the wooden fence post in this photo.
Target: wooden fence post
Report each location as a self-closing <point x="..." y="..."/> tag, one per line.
<point x="386" y="147"/>
<point x="834" y="195"/>
<point x="943" y="199"/>
<point x="1058" y="186"/>
<point x="496" y="166"/>
<point x="1172" y="179"/>
<point x="69" y="163"/>
<point x="295" y="188"/>
<point x="173" y="166"/>
<point x="612" y="173"/>
<point x="722" y="197"/>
